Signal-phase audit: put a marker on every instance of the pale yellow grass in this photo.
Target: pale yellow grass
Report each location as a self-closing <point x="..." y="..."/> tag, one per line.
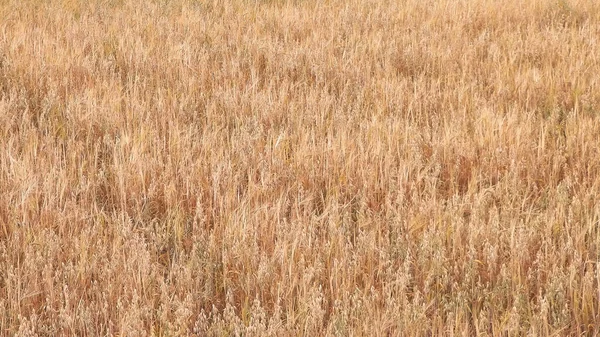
<point x="368" y="168"/>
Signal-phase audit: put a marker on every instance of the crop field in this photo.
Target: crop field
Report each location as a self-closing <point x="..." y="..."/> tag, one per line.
<point x="299" y="168"/>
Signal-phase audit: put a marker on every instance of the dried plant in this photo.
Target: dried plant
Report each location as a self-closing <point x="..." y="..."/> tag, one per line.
<point x="277" y="168"/>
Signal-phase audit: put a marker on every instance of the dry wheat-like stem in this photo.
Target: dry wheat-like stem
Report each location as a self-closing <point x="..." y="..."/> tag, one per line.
<point x="281" y="167"/>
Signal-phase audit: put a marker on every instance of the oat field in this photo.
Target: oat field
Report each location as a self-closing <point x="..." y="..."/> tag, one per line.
<point x="299" y="168"/>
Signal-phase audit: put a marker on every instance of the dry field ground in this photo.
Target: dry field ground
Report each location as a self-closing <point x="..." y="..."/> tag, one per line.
<point x="256" y="168"/>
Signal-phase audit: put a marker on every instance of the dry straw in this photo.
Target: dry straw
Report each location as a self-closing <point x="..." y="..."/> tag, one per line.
<point x="255" y="168"/>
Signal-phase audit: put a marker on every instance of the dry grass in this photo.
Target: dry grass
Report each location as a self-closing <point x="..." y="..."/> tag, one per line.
<point x="242" y="167"/>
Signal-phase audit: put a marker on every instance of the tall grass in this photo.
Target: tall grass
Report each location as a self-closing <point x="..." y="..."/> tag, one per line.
<point x="373" y="167"/>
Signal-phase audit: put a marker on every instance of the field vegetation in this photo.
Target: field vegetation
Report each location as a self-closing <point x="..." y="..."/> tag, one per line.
<point x="279" y="168"/>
